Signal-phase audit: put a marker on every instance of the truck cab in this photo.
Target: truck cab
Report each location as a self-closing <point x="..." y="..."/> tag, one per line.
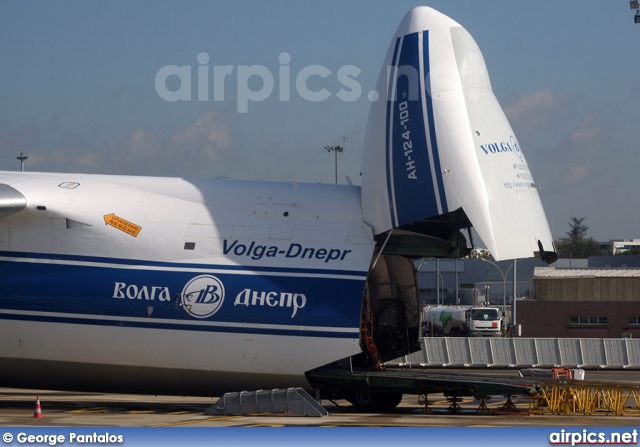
<point x="483" y="322"/>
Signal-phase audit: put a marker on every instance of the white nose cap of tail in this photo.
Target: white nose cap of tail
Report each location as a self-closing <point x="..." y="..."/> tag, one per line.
<point x="424" y="18"/>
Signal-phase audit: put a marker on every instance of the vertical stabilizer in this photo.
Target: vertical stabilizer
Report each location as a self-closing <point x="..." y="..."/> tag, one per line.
<point x="438" y="144"/>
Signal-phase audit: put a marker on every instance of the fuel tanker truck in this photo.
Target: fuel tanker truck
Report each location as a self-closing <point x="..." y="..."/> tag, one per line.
<point x="462" y="321"/>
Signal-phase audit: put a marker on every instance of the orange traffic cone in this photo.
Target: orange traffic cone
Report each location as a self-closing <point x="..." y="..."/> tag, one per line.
<point x="38" y="412"/>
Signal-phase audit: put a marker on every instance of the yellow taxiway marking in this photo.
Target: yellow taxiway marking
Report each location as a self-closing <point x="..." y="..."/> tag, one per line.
<point x="196" y="421"/>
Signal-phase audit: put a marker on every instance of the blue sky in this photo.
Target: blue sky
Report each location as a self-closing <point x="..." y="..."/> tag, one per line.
<point x="78" y="91"/>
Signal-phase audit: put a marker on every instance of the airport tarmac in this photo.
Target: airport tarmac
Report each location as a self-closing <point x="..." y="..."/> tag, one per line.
<point x="61" y="409"/>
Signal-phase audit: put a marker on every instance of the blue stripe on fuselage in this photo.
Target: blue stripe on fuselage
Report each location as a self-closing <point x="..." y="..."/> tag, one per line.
<point x="176" y="325"/>
<point x="145" y="263"/>
<point x="126" y="294"/>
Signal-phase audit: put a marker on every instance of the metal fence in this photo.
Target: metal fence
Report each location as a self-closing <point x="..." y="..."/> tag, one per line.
<point x="586" y="353"/>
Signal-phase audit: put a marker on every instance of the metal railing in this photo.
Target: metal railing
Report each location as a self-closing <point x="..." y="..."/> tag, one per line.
<point x="585" y="353"/>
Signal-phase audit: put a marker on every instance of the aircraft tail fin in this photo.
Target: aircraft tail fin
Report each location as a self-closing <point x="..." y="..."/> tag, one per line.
<point x="440" y="154"/>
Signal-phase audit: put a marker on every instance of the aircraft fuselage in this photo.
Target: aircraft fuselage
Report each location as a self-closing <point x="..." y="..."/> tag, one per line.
<point x="209" y="285"/>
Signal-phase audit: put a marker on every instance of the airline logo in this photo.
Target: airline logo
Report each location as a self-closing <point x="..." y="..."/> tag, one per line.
<point x="502" y="146"/>
<point x="202" y="296"/>
<point x="292" y="301"/>
<point x="293" y="251"/>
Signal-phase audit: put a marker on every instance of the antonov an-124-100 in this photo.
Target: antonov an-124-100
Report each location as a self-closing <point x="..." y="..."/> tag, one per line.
<point x="200" y="287"/>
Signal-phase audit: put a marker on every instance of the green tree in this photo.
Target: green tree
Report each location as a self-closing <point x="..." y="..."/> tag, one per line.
<point x="480" y="253"/>
<point x="576" y="244"/>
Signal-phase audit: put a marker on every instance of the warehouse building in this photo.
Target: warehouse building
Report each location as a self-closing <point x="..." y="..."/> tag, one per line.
<point x="599" y="302"/>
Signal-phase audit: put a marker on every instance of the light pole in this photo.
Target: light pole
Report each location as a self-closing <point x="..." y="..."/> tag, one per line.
<point x="22" y="158"/>
<point x="438" y="278"/>
<point x="504" y="282"/>
<point x="513" y="310"/>
<point x="504" y="291"/>
<point x="335" y="150"/>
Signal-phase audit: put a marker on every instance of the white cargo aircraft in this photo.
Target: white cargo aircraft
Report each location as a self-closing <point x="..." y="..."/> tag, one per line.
<point x="172" y="285"/>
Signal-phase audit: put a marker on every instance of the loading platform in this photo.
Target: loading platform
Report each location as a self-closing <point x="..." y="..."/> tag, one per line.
<point x="421" y="382"/>
<point x="558" y="394"/>
<point x="388" y="382"/>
